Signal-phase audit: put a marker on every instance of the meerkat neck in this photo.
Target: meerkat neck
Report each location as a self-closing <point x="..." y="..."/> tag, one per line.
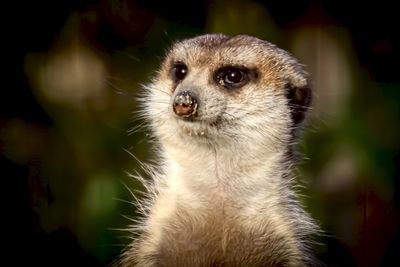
<point x="212" y="168"/>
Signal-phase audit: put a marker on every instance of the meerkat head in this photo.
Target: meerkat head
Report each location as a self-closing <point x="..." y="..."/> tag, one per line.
<point x="217" y="88"/>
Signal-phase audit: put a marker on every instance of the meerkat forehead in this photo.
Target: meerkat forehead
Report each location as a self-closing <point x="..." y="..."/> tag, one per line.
<point x="210" y="50"/>
<point x="213" y="51"/>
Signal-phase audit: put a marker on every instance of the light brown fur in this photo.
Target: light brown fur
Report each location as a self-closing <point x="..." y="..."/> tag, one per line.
<point x="223" y="194"/>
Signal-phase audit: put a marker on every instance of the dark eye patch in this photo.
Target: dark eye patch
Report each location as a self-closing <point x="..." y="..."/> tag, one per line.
<point x="232" y="77"/>
<point x="179" y="71"/>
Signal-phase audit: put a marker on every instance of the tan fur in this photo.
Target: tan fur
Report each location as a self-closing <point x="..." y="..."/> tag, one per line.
<point x="222" y="194"/>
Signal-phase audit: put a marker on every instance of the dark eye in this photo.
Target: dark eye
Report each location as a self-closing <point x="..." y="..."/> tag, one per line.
<point x="231" y="77"/>
<point x="179" y="71"/>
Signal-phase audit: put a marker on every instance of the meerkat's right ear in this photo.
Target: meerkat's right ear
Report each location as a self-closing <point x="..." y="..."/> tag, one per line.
<point x="299" y="100"/>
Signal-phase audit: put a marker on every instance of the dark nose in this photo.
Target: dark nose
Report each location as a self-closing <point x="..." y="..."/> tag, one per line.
<point x="185" y="104"/>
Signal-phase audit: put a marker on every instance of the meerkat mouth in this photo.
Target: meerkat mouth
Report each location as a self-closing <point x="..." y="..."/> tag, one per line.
<point x="194" y="128"/>
<point x="197" y="127"/>
<point x="195" y="133"/>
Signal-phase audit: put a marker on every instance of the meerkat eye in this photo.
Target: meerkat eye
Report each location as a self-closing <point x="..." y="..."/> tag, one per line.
<point x="179" y="71"/>
<point x="232" y="77"/>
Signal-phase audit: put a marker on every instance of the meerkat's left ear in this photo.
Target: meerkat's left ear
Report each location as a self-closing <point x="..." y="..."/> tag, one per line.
<point x="299" y="96"/>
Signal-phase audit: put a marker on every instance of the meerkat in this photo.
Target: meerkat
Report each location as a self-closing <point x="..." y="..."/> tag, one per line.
<point x="225" y="113"/>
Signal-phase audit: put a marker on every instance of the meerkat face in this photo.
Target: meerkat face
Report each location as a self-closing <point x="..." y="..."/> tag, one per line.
<point x="215" y="87"/>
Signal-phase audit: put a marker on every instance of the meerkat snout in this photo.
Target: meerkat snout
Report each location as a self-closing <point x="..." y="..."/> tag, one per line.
<point x="185" y="104"/>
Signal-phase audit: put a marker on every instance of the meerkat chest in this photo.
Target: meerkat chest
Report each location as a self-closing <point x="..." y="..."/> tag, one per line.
<point x="203" y="221"/>
<point x="215" y="236"/>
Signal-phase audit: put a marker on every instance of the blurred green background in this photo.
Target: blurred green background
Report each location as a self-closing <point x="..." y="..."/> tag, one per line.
<point x="68" y="107"/>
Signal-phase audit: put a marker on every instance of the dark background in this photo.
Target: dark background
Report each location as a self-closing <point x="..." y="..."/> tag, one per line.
<point x="74" y="68"/>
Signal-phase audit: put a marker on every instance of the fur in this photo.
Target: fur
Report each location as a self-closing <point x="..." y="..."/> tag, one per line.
<point x="222" y="193"/>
